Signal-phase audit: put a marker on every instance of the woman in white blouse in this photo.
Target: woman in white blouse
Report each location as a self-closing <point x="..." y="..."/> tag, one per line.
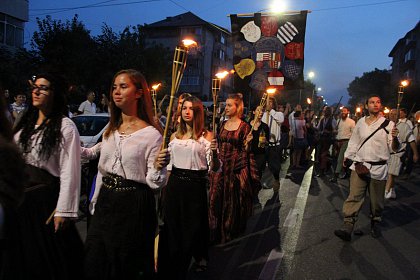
<point x="185" y="232"/>
<point x="50" y="145"/>
<point x="120" y="238"/>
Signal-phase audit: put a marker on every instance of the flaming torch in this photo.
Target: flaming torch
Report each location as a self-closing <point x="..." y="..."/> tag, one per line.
<point x="401" y="87"/>
<point x="215" y="88"/>
<point x="153" y="91"/>
<point x="178" y="67"/>
<point x="263" y="102"/>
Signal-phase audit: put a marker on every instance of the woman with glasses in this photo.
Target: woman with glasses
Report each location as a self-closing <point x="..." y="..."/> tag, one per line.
<point x="232" y="190"/>
<point x="120" y="240"/>
<point x="185" y="231"/>
<point x="49" y="245"/>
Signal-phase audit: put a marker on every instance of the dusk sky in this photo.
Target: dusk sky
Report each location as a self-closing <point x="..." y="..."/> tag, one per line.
<point x="344" y="38"/>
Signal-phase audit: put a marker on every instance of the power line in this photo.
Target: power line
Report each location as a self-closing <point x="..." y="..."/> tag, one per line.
<point x="97" y="5"/>
<point x="360" y="5"/>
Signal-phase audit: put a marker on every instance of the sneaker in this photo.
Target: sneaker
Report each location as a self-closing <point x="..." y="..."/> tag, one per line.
<point x="393" y="194"/>
<point x="375" y="230"/>
<point x="344" y="232"/>
<point x="390" y="194"/>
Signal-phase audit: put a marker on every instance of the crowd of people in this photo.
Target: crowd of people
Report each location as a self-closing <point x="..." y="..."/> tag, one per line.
<point x="202" y="185"/>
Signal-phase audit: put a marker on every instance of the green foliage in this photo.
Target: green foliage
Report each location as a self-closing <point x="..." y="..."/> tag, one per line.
<point x="375" y="82"/>
<point x="87" y="62"/>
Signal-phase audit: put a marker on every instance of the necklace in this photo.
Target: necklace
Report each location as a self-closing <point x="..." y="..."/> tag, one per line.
<point x="128" y="127"/>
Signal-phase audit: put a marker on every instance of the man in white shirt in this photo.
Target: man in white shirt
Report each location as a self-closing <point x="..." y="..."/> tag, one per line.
<point x="345" y="126"/>
<point x="88" y="106"/>
<point x="407" y="139"/>
<point x="373" y="154"/>
<point x="407" y="158"/>
<point x="274" y="120"/>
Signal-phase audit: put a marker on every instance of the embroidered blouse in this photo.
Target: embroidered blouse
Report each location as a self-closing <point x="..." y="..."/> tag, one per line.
<point x="131" y="156"/>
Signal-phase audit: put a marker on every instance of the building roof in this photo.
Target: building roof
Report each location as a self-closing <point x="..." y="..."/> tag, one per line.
<point x="186" y="19"/>
<point x="401" y="40"/>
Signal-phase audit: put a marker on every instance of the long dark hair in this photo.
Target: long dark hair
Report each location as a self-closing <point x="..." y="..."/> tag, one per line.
<point x="5" y="125"/>
<point x="198" y="119"/>
<point x="144" y="103"/>
<point x="51" y="127"/>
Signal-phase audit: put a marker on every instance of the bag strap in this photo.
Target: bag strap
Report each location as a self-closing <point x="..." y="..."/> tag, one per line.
<point x="382" y="126"/>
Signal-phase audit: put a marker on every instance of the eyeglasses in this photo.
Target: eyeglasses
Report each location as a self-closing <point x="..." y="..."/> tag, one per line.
<point x="40" y="90"/>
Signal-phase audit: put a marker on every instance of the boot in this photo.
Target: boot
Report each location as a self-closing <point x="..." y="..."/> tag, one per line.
<point x="345" y="231"/>
<point x="375" y="230"/>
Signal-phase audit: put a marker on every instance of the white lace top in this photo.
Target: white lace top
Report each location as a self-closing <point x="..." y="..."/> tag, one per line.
<point x="131" y="156"/>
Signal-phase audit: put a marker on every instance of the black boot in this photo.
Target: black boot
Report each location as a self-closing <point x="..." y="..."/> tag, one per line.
<point x="345" y="231"/>
<point x="375" y="230"/>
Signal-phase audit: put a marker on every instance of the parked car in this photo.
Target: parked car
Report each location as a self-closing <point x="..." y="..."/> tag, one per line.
<point x="91" y="127"/>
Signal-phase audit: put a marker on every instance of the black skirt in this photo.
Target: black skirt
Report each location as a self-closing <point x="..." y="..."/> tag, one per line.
<point x="185" y="233"/>
<point x="35" y="251"/>
<point x="120" y="239"/>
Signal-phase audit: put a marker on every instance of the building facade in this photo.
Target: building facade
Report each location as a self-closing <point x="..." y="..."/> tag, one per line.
<point x="406" y="58"/>
<point x="213" y="54"/>
<point x="13" y="15"/>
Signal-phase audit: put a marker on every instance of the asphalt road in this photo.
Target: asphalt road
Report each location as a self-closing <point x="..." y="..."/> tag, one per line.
<point x="291" y="235"/>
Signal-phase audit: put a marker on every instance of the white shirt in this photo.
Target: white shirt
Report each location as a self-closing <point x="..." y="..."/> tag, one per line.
<point x="190" y="154"/>
<point x="275" y="119"/>
<point x="405" y="135"/>
<point x="345" y="128"/>
<point x="131" y="156"/>
<point x="377" y="148"/>
<point x="87" y="108"/>
<point x="65" y="164"/>
<point x="407" y="121"/>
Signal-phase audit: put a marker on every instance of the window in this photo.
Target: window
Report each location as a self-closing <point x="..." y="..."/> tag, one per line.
<point x="221" y="54"/>
<point x="190" y="81"/>
<point x="222" y="39"/>
<point x="409" y="74"/>
<point x="11" y="31"/>
<point x="409" y="55"/>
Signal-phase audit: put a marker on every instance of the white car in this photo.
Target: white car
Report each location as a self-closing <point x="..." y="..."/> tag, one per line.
<point x="91" y="127"/>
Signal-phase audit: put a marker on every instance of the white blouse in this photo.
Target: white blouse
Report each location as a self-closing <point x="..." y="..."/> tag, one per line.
<point x="131" y="156"/>
<point x="190" y="154"/>
<point x="377" y="148"/>
<point x="63" y="163"/>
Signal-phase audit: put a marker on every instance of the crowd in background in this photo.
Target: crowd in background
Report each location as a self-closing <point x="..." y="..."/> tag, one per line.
<point x="205" y="179"/>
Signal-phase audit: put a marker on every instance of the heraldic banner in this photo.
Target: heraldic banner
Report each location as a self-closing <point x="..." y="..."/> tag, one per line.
<point x="268" y="50"/>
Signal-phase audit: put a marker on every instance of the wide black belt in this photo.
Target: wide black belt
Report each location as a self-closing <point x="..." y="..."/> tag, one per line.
<point x="120" y="184"/>
<point x="189" y="175"/>
<point x="382" y="162"/>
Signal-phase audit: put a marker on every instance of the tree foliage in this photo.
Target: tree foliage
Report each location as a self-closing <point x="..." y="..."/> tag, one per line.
<point x="87" y="62"/>
<point x="376" y="82"/>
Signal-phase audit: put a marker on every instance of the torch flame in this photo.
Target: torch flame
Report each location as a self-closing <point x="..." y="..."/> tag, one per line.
<point x="358" y="110"/>
<point x="222" y="75"/>
<point x="404" y="83"/>
<point x="308" y="100"/>
<point x="271" y="90"/>
<point x="156" y="86"/>
<point x="188" y="42"/>
<point x="386" y="110"/>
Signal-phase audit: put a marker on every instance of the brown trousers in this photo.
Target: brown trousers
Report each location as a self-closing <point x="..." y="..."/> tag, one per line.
<point x="354" y="201"/>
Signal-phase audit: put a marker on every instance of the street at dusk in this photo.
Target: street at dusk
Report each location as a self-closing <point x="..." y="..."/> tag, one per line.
<point x="209" y="140"/>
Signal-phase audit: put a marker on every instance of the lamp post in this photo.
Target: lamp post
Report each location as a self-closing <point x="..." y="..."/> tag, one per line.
<point x="215" y="88"/>
<point x="178" y="67"/>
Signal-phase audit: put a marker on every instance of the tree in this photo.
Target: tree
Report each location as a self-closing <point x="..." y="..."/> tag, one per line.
<point x="375" y="82"/>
